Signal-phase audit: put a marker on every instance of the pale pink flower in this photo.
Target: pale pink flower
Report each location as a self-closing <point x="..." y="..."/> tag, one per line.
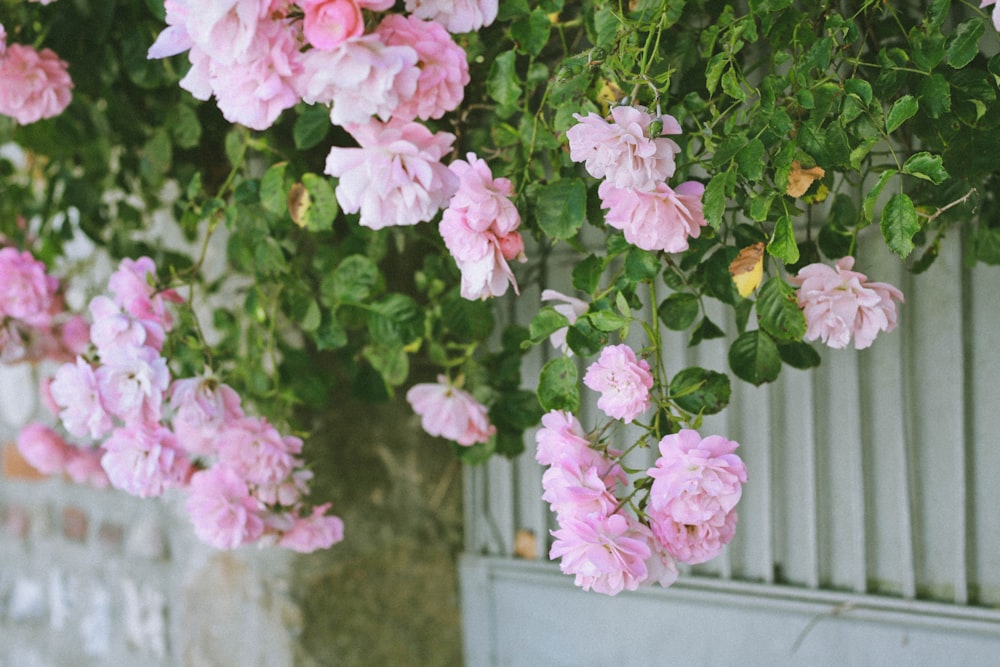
<point x="33" y="84"/>
<point x="623" y="381"/>
<point x="3" y="40"/>
<point x="571" y="308"/>
<point x="606" y="553"/>
<point x="256" y="451"/>
<point x="174" y="38"/>
<point x="316" y="531"/>
<point x="661" y="566"/>
<point x="996" y="11"/>
<point x="114" y="332"/>
<point x="328" y="23"/>
<point x="27" y="292"/>
<point x="202" y="407"/>
<point x="396" y="176"/>
<point x="81" y="407"/>
<point x="83" y="466"/>
<point x="144" y="460"/>
<point x="74" y="335"/>
<point x="562" y="437"/>
<point x="622" y="150"/>
<point x="574" y="491"/>
<point x="444" y="70"/>
<point x="696" y="543"/>
<point x="255" y="89"/>
<point x="224" y="29"/>
<point x="43" y="448"/>
<point x="478" y="228"/>
<point x="450" y="412"/>
<point x="695" y="479"/>
<point x="361" y="78"/>
<point x="132" y="285"/>
<point x="458" y="16"/>
<point x="132" y="385"/>
<point x="223" y="512"/>
<point x="839" y="303"/>
<point x="696" y="485"/>
<point x="660" y="219"/>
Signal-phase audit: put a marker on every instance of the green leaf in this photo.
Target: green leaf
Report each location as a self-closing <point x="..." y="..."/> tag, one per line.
<point x="641" y="265"/>
<point x="699" y="391"/>
<point x="679" y="311"/>
<point x="331" y="334"/>
<point x="754" y="357"/>
<point x="531" y="32"/>
<point x="799" y="355"/>
<point x="311" y="126"/>
<point x="516" y="410"/>
<point x="901" y="111"/>
<point x="587" y="274"/>
<point x="987" y="245"/>
<point x="546" y="322"/>
<point x="750" y="160"/>
<point x="899" y="224"/>
<point x="608" y="321"/>
<point x="963" y="45"/>
<point x="778" y="311"/>
<point x="714" y="199"/>
<point x="558" y="385"/>
<point x="353" y="281"/>
<point x="273" y="193"/>
<point x="926" y="166"/>
<point x="503" y="84"/>
<point x="706" y="329"/>
<point x="868" y="205"/>
<point x="390" y="362"/>
<point x="935" y="95"/>
<point x="185" y="126"/>
<point x="468" y="320"/>
<point x="319" y="215"/>
<point x="561" y="207"/>
<point x="782" y="245"/>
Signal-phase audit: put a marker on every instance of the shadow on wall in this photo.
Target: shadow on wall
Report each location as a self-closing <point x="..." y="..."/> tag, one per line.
<point x="387" y="594"/>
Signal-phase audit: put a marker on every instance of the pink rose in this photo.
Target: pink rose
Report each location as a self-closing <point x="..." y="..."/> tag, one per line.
<point x="256" y="451"/>
<point x="457" y="16"/>
<point x="144" y="461"/>
<point x="43" y="448"/>
<point x="450" y="412"/>
<point x="575" y="491"/>
<point x="697" y="483"/>
<point x="33" y="84"/>
<point x="316" y="531"/>
<point x="396" y="176"/>
<point x="27" y="292"/>
<point x="328" y="23"/>
<point x="661" y="219"/>
<point x="606" y="553"/>
<point x="623" y="381"/>
<point x="362" y="78"/>
<point x="81" y="407"/>
<point x="996" y="11"/>
<point x="202" y="407"/>
<point x="621" y="150"/>
<point x="444" y="70"/>
<point x="839" y="303"/>
<point x="223" y="512"/>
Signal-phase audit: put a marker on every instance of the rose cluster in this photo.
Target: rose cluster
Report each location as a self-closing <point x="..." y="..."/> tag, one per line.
<point x="688" y="515"/>
<point x="635" y="165"/>
<point x="33" y="84"/>
<point x="143" y="433"/>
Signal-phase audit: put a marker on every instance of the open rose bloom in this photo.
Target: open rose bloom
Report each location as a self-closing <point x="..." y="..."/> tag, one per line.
<point x="33" y="84"/>
<point x="450" y="412"/>
<point x="839" y="304"/>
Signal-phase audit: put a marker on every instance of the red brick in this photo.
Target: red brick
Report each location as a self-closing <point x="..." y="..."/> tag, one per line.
<point x="75" y="523"/>
<point x="15" y="467"/>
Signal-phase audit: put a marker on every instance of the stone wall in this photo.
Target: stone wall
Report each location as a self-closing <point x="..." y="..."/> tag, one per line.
<point x="94" y="577"/>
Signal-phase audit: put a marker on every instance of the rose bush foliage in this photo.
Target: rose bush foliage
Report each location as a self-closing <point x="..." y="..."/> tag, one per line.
<point x="382" y="172"/>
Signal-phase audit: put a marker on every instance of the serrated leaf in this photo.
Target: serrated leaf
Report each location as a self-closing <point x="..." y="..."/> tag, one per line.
<point x="700" y="391"/>
<point x="587" y="274"/>
<point x="778" y="311"/>
<point x="926" y="166"/>
<point x="754" y="357"/>
<point x="901" y="111"/>
<point x="558" y="385"/>
<point x="273" y="196"/>
<point x="714" y="199"/>
<point x="679" y="311"/>
<point x="503" y="84"/>
<point x="706" y="330"/>
<point x="782" y="245"/>
<point x="561" y="207"/>
<point x="311" y="127"/>
<point x="868" y="205"/>
<point x="799" y="355"/>
<point x="607" y="321"/>
<point x="641" y="265"/>
<point x="899" y="223"/>
<point x="531" y="32"/>
<point x="935" y="95"/>
<point x="963" y="45"/>
<point x="319" y="215"/>
<point x="546" y="322"/>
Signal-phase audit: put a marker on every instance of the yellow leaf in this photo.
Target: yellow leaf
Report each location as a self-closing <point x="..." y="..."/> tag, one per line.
<point x="799" y="179"/>
<point x="747" y="269"/>
<point x="299" y="202"/>
<point x="608" y="95"/>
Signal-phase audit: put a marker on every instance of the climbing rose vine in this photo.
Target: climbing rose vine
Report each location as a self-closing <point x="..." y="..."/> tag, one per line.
<point x="235" y="207"/>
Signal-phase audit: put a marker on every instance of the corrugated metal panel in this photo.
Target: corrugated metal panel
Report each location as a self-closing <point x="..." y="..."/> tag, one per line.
<point x="874" y="474"/>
